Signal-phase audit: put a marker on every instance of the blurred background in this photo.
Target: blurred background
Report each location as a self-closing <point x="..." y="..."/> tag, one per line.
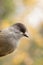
<point x="30" y="13"/>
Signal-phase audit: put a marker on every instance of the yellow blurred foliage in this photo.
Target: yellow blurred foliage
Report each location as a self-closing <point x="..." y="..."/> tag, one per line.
<point x="5" y="24"/>
<point x="39" y="40"/>
<point x="29" y="2"/>
<point x="19" y="58"/>
<point x="36" y="36"/>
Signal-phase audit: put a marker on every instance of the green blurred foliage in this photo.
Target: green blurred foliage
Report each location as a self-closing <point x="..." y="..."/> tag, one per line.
<point x="35" y="51"/>
<point x="6" y="8"/>
<point x="38" y="61"/>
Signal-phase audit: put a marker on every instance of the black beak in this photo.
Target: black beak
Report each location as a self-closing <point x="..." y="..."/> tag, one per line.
<point x="26" y="35"/>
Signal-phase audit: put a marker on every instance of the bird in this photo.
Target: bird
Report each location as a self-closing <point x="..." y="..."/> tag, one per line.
<point x="9" y="38"/>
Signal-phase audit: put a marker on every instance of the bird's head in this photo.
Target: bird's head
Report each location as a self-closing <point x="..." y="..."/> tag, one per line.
<point x="20" y="29"/>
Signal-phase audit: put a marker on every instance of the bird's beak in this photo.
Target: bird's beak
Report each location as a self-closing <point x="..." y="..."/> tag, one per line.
<point x="26" y="34"/>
